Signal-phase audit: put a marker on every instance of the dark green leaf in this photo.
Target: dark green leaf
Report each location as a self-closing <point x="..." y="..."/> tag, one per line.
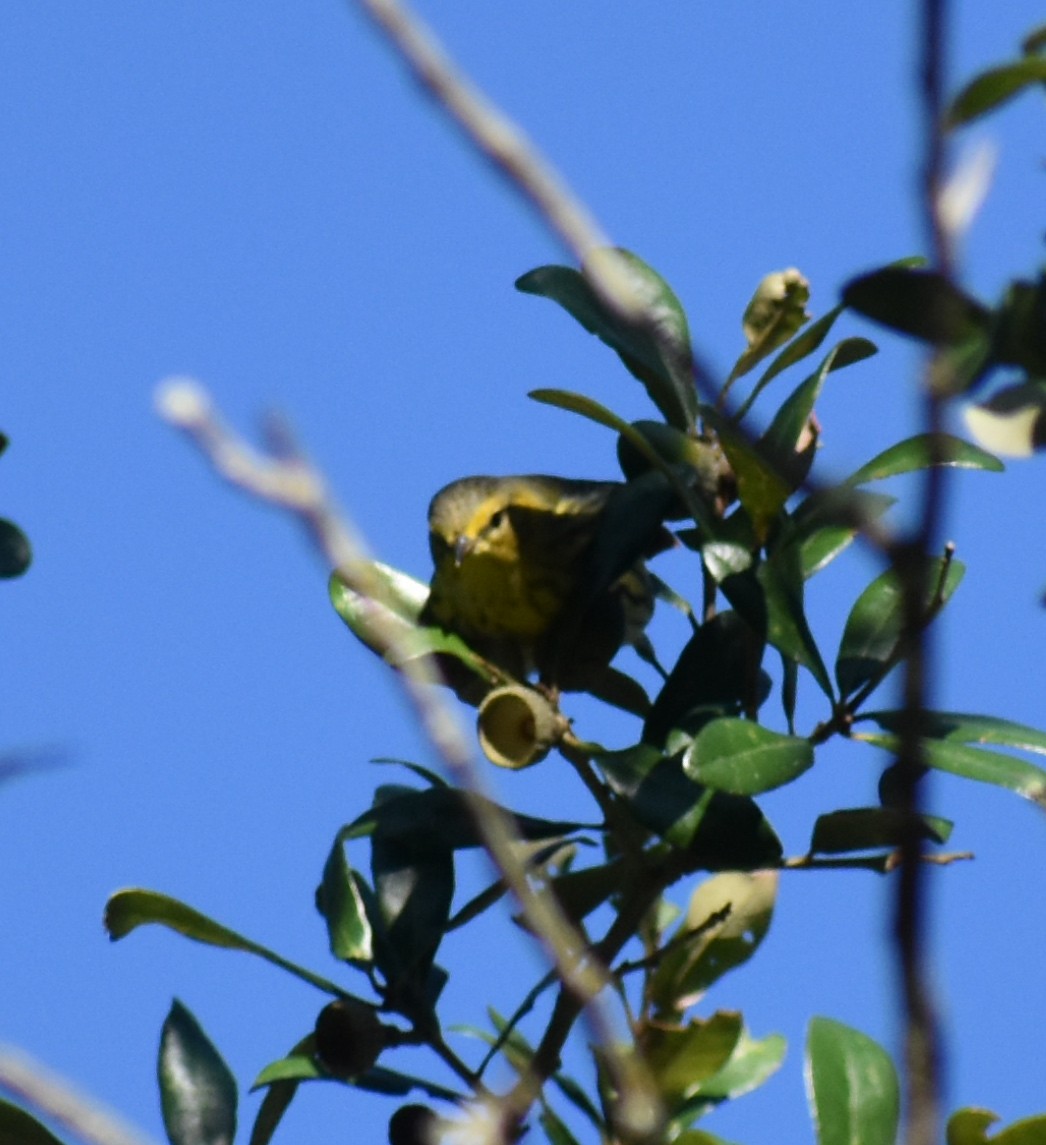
<point x="975" y="763"/>
<point x="714" y="675"/>
<point x="852" y="1086"/>
<point x="753" y="1061"/>
<point x="871" y="638"/>
<point x="17" y="1127"/>
<point x="961" y="727"/>
<point x="655" y="349"/>
<point x="994" y="87"/>
<point x="826" y="523"/>
<point x="916" y="453"/>
<point x="274" y="1105"/>
<point x="15" y="553"/>
<point x="970" y="1127"/>
<point x="921" y="303"/>
<point x="868" y="829"/>
<point x="681" y="1058"/>
<point x="197" y="1089"/>
<point x="744" y="758"/>
<point x="580" y="892"/>
<point x="1019" y="337"/>
<point x="556" y="1132"/>
<point x="378" y="1079"/>
<point x="781" y="579"/>
<point x="127" y="910"/>
<point x="761" y="487"/>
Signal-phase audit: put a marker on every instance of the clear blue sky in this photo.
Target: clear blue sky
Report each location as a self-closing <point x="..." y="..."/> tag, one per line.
<point x="256" y="195"/>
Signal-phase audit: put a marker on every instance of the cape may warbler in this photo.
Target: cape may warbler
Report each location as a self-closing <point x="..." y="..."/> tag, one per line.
<point x="525" y="575"/>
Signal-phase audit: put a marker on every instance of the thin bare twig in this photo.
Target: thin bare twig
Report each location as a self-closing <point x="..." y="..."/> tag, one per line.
<point x="55" y="1098"/>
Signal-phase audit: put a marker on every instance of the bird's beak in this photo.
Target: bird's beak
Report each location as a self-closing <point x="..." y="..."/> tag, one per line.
<point x="462" y="548"/>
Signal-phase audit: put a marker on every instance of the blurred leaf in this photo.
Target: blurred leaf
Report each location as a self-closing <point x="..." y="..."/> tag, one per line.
<point x="915" y="453"/>
<point x="698" y="1137"/>
<point x="970" y="1127"/>
<point x="744" y="758"/>
<point x="869" y="828"/>
<point x="680" y="1058"/>
<point x="15" y="552"/>
<point x="1019" y="337"/>
<point x="994" y="87"/>
<point x="918" y="302"/>
<point x="126" y="910"/>
<point x="871" y="638"/>
<point x="698" y="954"/>
<point x="852" y="1086"/>
<point x="753" y="1061"/>
<point x="581" y="892"/>
<point x="774" y="314"/>
<point x="800" y="347"/>
<point x="274" y="1105"/>
<point x="1012" y="421"/>
<point x="656" y="351"/>
<point x="17" y="1127"/>
<point x="340" y="900"/>
<point x="712" y="676"/>
<point x="555" y="1130"/>
<point x="960" y="727"/>
<point x="1025" y="779"/>
<point x="303" y="1067"/>
<point x="197" y="1089"/>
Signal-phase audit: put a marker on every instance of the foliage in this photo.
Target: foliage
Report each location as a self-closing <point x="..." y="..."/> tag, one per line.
<point x="678" y="808"/>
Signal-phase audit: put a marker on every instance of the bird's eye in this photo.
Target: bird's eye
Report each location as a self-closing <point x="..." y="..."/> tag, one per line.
<point x="496" y="519"/>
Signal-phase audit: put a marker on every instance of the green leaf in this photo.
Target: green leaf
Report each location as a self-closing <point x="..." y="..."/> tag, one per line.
<point x="753" y="1061"/>
<point x="15" y="552"/>
<point x="774" y="314"/>
<point x="921" y="303"/>
<point x="800" y="347"/>
<point x="961" y="727"/>
<point x="655" y="349"/>
<point x="870" y="828"/>
<point x="128" y="909"/>
<point x="970" y="1127"/>
<point x="1016" y="775"/>
<point x="555" y="1130"/>
<point x="761" y="487"/>
<point x="744" y="758"/>
<point x="274" y="1105"/>
<point x="1012" y="421"/>
<point x="994" y="87"/>
<point x="852" y="1086"/>
<point x="340" y="899"/>
<point x="680" y="1058"/>
<point x="871" y="638"/>
<point x="699" y="954"/>
<point x="377" y="1079"/>
<point x="916" y="453"/>
<point x="781" y="579"/>
<point x="197" y="1089"/>
<point x="17" y="1127"/>
<point x="1019" y="337"/>
<point x="826" y="523"/>
<point x="782" y="437"/>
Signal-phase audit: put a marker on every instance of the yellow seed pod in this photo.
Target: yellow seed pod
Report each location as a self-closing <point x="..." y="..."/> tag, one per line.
<point x="517" y="727"/>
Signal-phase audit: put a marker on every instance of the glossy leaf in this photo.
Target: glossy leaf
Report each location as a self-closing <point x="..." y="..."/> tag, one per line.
<point x="744" y="758"/>
<point x="962" y="727"/>
<point x="698" y="954"/>
<point x="915" y="453"/>
<point x="994" y="87"/>
<point x="826" y="523"/>
<point x="341" y="902"/>
<point x="127" y="910"/>
<point x="655" y="349"/>
<point x="781" y="579"/>
<point x="1016" y="775"/>
<point x="851" y="1085"/>
<point x="871" y="638"/>
<point x="15" y="552"/>
<point x="17" y="1127"/>
<point x="197" y="1089"/>
<point x="869" y="829"/>
<point x="918" y="302"/>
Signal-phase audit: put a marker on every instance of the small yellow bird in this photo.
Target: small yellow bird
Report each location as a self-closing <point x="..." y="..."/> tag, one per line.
<point x="526" y="575"/>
